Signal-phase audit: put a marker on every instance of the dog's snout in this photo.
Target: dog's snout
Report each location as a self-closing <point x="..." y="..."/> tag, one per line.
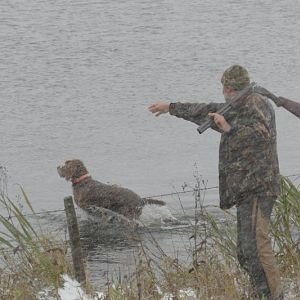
<point x="59" y="170"/>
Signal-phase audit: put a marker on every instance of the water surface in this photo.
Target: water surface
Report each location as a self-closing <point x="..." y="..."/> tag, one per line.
<point x="76" y="78"/>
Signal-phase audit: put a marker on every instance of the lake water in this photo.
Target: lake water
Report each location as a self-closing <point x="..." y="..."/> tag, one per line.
<point x="76" y="78"/>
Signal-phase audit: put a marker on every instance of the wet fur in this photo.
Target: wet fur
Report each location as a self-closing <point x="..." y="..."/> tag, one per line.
<point x="90" y="192"/>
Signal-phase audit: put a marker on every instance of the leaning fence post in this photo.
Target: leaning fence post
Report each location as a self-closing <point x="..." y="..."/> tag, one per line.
<point x="74" y="240"/>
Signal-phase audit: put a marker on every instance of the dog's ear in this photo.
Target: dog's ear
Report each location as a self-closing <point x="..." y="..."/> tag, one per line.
<point x="76" y="168"/>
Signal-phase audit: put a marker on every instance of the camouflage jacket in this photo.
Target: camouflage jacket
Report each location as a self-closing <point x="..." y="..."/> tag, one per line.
<point x="248" y="161"/>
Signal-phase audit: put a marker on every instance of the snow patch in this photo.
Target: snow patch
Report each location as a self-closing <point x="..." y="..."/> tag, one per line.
<point x="73" y="291"/>
<point x="183" y="294"/>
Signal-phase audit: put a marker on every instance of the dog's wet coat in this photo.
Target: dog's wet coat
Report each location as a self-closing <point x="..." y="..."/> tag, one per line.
<point x="89" y="192"/>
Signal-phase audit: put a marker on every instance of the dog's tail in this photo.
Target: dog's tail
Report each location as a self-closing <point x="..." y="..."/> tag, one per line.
<point x="154" y="201"/>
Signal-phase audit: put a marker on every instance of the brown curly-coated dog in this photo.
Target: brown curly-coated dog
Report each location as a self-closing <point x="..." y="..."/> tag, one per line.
<point x="88" y="192"/>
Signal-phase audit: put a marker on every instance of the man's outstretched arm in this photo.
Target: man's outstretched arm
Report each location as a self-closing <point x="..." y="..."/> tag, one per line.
<point x="193" y="112"/>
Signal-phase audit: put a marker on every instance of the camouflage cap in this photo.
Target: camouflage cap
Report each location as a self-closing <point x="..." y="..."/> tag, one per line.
<point x="235" y="77"/>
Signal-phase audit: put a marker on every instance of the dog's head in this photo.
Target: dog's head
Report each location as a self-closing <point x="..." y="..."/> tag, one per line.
<point x="72" y="169"/>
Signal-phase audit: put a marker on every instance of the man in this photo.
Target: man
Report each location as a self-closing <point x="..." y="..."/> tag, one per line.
<point x="248" y="172"/>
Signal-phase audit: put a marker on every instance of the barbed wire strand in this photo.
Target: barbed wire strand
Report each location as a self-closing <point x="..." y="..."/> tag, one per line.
<point x="6" y="249"/>
<point x="154" y="196"/>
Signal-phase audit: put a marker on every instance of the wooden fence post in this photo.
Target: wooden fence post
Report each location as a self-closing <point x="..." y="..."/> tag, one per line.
<point x="74" y="240"/>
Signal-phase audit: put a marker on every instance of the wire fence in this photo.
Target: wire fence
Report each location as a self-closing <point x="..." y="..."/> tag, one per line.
<point x="153" y="196"/>
<point x="41" y="213"/>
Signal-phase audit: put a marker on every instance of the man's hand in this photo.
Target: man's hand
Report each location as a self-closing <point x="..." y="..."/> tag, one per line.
<point x="159" y="108"/>
<point x="220" y="122"/>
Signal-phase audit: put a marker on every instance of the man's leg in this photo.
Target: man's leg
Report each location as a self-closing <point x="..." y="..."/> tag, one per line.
<point x="254" y="246"/>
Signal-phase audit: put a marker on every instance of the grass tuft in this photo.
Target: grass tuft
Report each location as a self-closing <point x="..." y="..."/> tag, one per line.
<point x="213" y="271"/>
<point x="29" y="260"/>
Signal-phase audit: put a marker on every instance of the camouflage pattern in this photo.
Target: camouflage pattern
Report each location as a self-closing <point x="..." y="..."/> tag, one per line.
<point x="248" y="153"/>
<point x="235" y="77"/>
<point x="249" y="179"/>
